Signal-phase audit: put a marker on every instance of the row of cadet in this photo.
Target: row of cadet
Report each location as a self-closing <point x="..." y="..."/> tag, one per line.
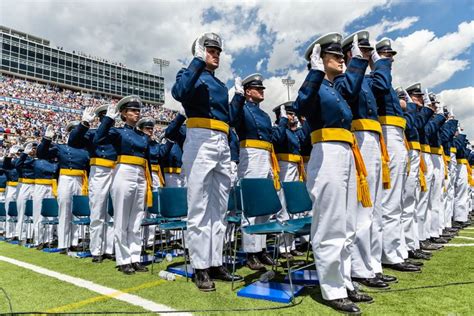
<point x="387" y="171"/>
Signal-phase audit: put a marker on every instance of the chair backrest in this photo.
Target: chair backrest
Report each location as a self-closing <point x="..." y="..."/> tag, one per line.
<point x="3" y="213"/>
<point x="49" y="207"/>
<point x="12" y="210"/>
<point x="110" y="207"/>
<point x="296" y="197"/>
<point x="154" y="209"/>
<point x="80" y="205"/>
<point x="259" y="197"/>
<point x="173" y="202"/>
<point x="29" y="208"/>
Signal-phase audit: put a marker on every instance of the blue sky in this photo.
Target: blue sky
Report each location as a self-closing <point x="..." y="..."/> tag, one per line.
<point x="434" y="38"/>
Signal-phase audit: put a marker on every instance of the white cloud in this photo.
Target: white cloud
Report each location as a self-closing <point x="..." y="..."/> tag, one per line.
<point x="387" y="26"/>
<point x="461" y="102"/>
<point x="429" y="59"/>
<point x="258" y="67"/>
<point x="295" y="23"/>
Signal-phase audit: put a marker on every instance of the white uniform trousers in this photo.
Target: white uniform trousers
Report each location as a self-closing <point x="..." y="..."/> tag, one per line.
<point x="25" y="193"/>
<point x="206" y="163"/>
<point x="331" y="184"/>
<point x="436" y="192"/>
<point x="422" y="208"/>
<point x="361" y="255"/>
<point x="2" y="225"/>
<point x="68" y="234"/>
<point x="175" y="180"/>
<point x="254" y="163"/>
<point x="392" y="198"/>
<point x="288" y="172"/>
<point x="41" y="191"/>
<point x="451" y="184"/>
<point x="11" y="193"/>
<point x="411" y="194"/>
<point x="461" y="197"/>
<point x="100" y="180"/>
<point x="128" y="191"/>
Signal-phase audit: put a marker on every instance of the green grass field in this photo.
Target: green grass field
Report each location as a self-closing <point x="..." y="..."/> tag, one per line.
<point x="430" y="292"/>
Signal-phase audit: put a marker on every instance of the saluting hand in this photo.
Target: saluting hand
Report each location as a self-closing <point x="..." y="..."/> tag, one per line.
<point x="88" y="115"/>
<point x="28" y="149"/>
<point x="239" y="89"/>
<point x="199" y="49"/>
<point x="49" y="133"/>
<point x="407" y="96"/>
<point x="112" y="112"/>
<point x="355" y="49"/>
<point x="426" y="99"/>
<point x="316" y="60"/>
<point x="375" y="56"/>
<point x="283" y="112"/>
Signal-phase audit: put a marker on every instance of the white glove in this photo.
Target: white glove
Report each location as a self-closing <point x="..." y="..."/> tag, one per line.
<point x="13" y="150"/>
<point x="239" y="89"/>
<point x="112" y="112"/>
<point x="375" y="56"/>
<point x="199" y="49"/>
<point x="49" y="133"/>
<point x="28" y="149"/>
<point x="426" y="99"/>
<point x="283" y="112"/>
<point x="181" y="111"/>
<point x="439" y="109"/>
<point x="316" y="60"/>
<point x="407" y="96"/>
<point x="88" y="115"/>
<point x="355" y="50"/>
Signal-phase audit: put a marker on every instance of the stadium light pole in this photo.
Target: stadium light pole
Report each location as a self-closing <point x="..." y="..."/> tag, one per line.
<point x="288" y="82"/>
<point x="162" y="63"/>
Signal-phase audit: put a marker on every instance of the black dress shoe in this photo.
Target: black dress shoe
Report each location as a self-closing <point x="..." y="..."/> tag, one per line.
<point x="297" y="253"/>
<point x="40" y="247"/>
<point x="438" y="240"/>
<point x="266" y="259"/>
<point x="417" y="255"/>
<point x="137" y="266"/>
<point x="63" y="251"/>
<point x="343" y="305"/>
<point x="452" y="230"/>
<point x="286" y="255"/>
<point x="108" y="256"/>
<point x="302" y="247"/>
<point x="358" y="297"/>
<point x="425" y="253"/>
<point x="254" y="263"/>
<point x="425" y="245"/>
<point x="97" y="259"/>
<point x="126" y="269"/>
<point x="221" y="273"/>
<point x="372" y="282"/>
<point x="413" y="262"/>
<point x="386" y="278"/>
<point x="203" y="281"/>
<point x="403" y="267"/>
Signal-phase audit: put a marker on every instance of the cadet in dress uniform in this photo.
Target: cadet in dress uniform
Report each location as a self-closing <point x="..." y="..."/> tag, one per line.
<point x="172" y="163"/>
<point x="423" y="205"/>
<point x="257" y="159"/>
<point x="11" y="190"/>
<point x="447" y="132"/>
<point x="131" y="183"/>
<point x="46" y="186"/>
<point x="291" y="165"/>
<point x="73" y="166"/>
<point x="461" y="191"/>
<point x="3" y="185"/>
<point x="415" y="179"/>
<point x="206" y="157"/>
<point x="368" y="133"/>
<point x="332" y="181"/>
<point x="24" y="165"/>
<point x="102" y="163"/>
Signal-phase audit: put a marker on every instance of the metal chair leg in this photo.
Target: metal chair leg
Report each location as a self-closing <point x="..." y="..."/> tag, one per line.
<point x="234" y="259"/>
<point x="185" y="260"/>
<point x="289" y="271"/>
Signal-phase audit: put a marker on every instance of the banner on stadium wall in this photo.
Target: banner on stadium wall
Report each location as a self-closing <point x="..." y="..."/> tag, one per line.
<point x="35" y="104"/>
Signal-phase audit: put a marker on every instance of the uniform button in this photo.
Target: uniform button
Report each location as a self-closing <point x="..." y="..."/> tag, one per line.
<point x="342" y="121"/>
<point x="338" y="100"/>
<point x="212" y="108"/>
<point x="333" y="93"/>
<point x="260" y="137"/>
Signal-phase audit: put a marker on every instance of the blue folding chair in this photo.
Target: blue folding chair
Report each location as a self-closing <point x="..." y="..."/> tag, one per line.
<point x="233" y="219"/>
<point x="12" y="212"/>
<point x="173" y="206"/>
<point x="81" y="210"/>
<point x="3" y="216"/>
<point x="259" y="198"/>
<point x="153" y="220"/>
<point x="50" y="213"/>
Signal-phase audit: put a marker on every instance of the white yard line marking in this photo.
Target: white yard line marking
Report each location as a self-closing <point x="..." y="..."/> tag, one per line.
<point x="464" y="237"/>
<point x="459" y="245"/>
<point x="127" y="298"/>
